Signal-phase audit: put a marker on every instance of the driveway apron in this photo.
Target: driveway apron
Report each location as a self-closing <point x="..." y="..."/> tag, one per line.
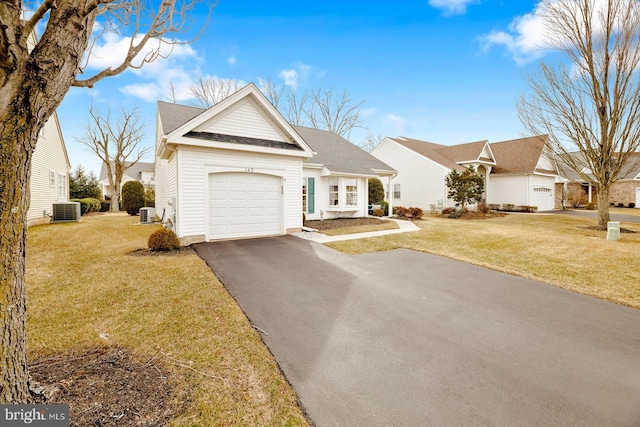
<point x="411" y="339"/>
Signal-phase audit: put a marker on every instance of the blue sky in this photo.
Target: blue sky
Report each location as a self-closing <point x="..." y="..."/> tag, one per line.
<point x="446" y="71"/>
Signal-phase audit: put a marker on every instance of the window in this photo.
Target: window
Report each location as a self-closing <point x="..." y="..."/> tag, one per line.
<point x="351" y="187"/>
<point x="396" y="191"/>
<point x="333" y="192"/>
<point x="62" y="186"/>
<point x="304" y="195"/>
<point x="52" y="178"/>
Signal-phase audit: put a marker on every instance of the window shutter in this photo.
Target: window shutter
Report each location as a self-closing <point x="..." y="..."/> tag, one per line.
<point x="311" y="193"/>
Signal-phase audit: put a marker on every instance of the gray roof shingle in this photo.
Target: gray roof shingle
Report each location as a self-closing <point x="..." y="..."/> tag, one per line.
<point x="134" y="171"/>
<point x="334" y="152"/>
<point x="338" y="154"/>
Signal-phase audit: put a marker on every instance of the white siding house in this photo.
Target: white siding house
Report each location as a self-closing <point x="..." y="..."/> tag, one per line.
<point x="50" y="167"/>
<point x="516" y="172"/>
<point x="239" y="169"/>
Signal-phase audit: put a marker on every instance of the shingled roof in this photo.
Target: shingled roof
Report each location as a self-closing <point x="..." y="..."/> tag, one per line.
<point x="519" y="155"/>
<point x="332" y="151"/>
<point x="449" y="156"/>
<point x="134" y="171"/>
<point x="339" y="155"/>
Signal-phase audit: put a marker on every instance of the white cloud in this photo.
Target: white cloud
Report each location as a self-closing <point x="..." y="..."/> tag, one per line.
<point x="290" y="77"/>
<point x="157" y="76"/>
<point x="451" y="7"/>
<point x="231" y="60"/>
<point x="395" y="120"/>
<point x="293" y="76"/>
<point x="525" y="38"/>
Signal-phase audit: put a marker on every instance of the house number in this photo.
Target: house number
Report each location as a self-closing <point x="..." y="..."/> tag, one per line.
<point x="248" y="169"/>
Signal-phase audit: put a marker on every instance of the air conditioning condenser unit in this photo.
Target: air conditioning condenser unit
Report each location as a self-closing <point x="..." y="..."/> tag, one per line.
<point x="66" y="211"/>
<point x="147" y="215"/>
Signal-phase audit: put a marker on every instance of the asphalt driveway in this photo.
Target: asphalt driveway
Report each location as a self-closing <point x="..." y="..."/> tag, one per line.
<point x="410" y="339"/>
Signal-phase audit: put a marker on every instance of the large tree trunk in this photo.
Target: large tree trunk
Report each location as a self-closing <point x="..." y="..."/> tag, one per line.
<point x="15" y="169"/>
<point x="603" y="207"/>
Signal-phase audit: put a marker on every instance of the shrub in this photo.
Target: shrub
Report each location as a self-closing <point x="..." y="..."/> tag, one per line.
<point x="447" y="211"/>
<point x="632" y="205"/>
<point x="378" y="212"/>
<point x="385" y="207"/>
<point x="457" y="213"/>
<point x="620" y="205"/>
<point x="416" y="213"/>
<point x="88" y="205"/>
<point x="590" y="206"/>
<point x="483" y="208"/>
<point x="163" y="240"/>
<point x="105" y="205"/>
<point x="376" y="191"/>
<point x="399" y="210"/>
<point x="132" y="197"/>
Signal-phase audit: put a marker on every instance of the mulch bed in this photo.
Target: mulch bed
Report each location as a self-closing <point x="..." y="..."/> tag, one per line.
<point x="105" y="387"/>
<point x="332" y="224"/>
<point x="185" y="250"/>
<point x="596" y="228"/>
<point x="477" y="215"/>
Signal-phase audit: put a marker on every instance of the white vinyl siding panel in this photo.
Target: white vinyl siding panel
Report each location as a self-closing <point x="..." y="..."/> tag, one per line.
<point x="421" y="180"/>
<point x="49" y="160"/>
<point x="244" y="119"/>
<point x="193" y="169"/>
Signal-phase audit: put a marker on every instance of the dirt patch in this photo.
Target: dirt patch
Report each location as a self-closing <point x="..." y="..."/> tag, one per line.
<point x="476" y="215"/>
<point x="105" y="387"/>
<point x="332" y="224"/>
<point x="176" y="252"/>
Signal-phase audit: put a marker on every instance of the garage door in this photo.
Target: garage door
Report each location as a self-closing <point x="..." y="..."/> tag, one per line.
<point x="244" y="205"/>
<point x="543" y="198"/>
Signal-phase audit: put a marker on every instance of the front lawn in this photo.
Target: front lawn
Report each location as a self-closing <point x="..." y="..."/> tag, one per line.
<point x="89" y="289"/>
<point x="555" y="249"/>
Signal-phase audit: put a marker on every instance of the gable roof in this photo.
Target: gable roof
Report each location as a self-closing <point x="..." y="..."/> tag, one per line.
<point x="324" y="148"/>
<point x="519" y="155"/>
<point x="450" y="156"/>
<point x="339" y="155"/>
<point x="134" y="171"/>
<point x="630" y="171"/>
<point x="181" y="124"/>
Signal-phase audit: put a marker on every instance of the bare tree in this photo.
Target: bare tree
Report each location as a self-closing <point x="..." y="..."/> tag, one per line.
<point x="338" y="113"/>
<point x="272" y="91"/>
<point x="208" y="91"/>
<point x="117" y="143"/>
<point x="588" y="102"/>
<point x="295" y="106"/>
<point x="35" y="75"/>
<point x="371" y="141"/>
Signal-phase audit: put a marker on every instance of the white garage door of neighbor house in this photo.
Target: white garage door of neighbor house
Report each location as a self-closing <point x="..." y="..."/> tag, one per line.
<point x="244" y="205"/>
<point x="543" y="198"/>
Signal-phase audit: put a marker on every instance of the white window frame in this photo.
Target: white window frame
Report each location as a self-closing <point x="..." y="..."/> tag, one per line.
<point x="52" y="178"/>
<point x="351" y="192"/>
<point x="62" y="186"/>
<point x="396" y="191"/>
<point x="304" y="194"/>
<point x="334" y="192"/>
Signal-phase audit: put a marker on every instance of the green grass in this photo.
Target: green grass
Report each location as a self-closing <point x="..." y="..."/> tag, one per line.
<point x="83" y="282"/>
<point x="555" y="249"/>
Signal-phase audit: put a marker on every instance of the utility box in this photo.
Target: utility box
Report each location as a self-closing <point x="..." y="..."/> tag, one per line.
<point x="613" y="230"/>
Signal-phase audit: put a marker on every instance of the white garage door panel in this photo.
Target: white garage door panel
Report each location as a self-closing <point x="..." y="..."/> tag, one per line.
<point x="244" y="205"/>
<point x="543" y="198"/>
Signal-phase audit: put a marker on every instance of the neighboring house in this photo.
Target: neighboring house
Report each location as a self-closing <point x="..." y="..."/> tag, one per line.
<point x="516" y="172"/>
<point x="140" y="171"/>
<point x="524" y="174"/>
<point x="239" y="169"/>
<point x="49" y="182"/>
<point x="422" y="167"/>
<point x="626" y="190"/>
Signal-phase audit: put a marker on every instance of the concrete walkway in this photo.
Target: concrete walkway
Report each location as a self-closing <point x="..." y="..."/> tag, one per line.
<point x="404" y="227"/>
